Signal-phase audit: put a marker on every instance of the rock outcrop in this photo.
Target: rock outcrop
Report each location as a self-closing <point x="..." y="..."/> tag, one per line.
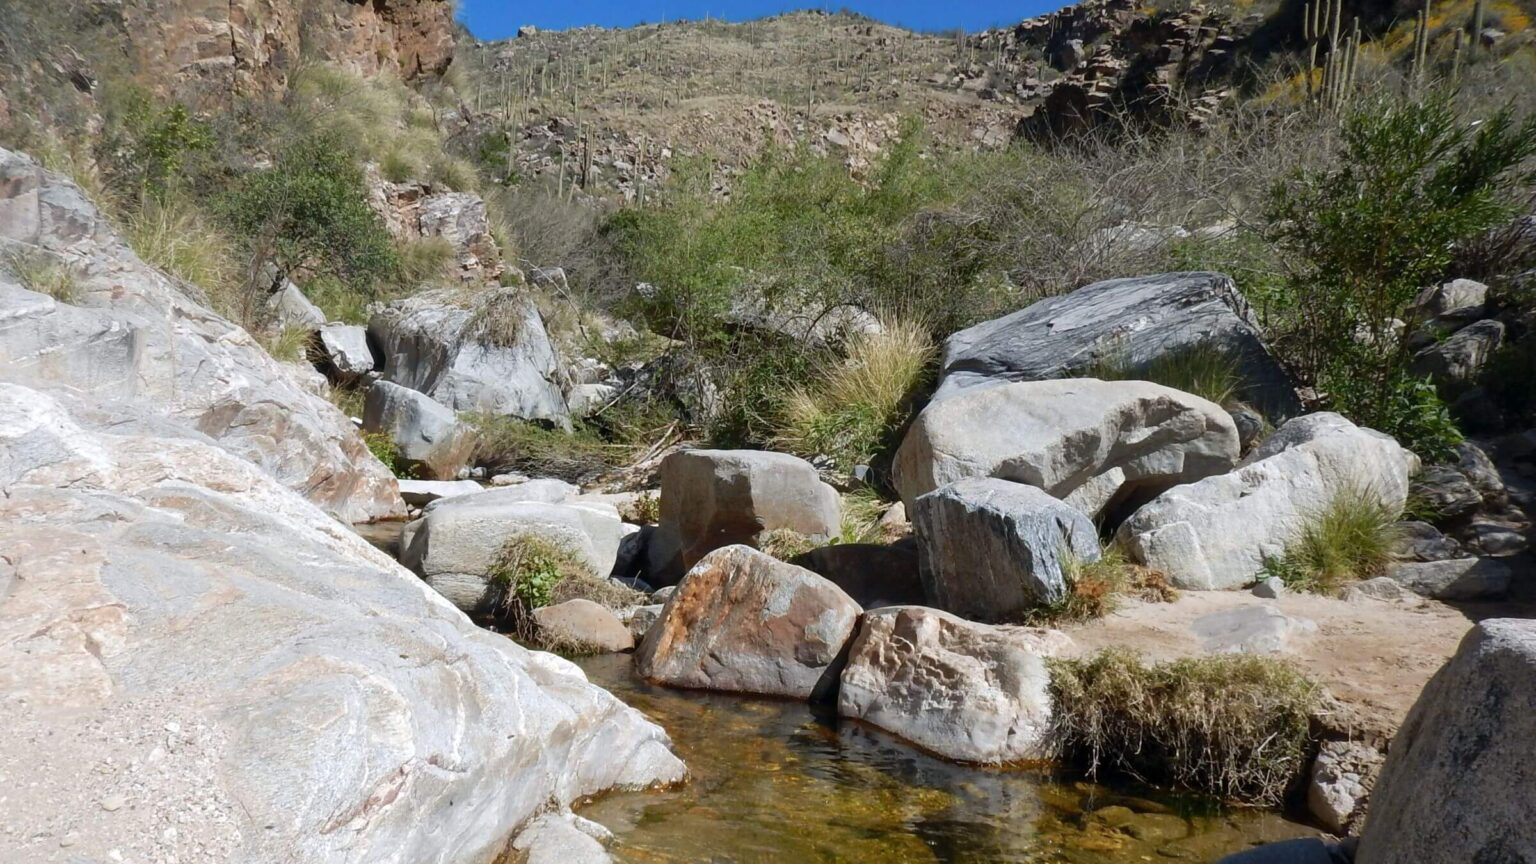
<point x="482" y="351"/>
<point x="1102" y="446"/>
<point x="744" y="622"/>
<point x="1457" y="776"/>
<point x="214" y="49"/>
<point x="716" y="498"/>
<point x="418" y="211"/>
<point x="1217" y="533"/>
<point x="144" y="350"/>
<point x="1126" y="323"/>
<point x="200" y="665"/>
<point x="992" y="549"/>
<point x="965" y="691"/>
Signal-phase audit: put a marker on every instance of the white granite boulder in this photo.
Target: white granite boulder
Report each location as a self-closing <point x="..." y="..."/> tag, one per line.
<point x="427" y="436"/>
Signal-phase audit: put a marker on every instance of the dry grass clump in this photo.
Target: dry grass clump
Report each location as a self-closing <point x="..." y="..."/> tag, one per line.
<point x="851" y="407"/>
<point x="1233" y="726"/>
<point x="526" y="576"/>
<point x="509" y="444"/>
<point x="1351" y="538"/>
<point x="500" y="318"/>
<point x="786" y="545"/>
<point x="607" y="593"/>
<point x="1094" y="588"/>
<point x="170" y="233"/>
<point x="42" y="272"/>
<point x="1205" y="370"/>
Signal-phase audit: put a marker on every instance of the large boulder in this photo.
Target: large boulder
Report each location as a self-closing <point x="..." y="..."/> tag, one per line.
<point x="716" y="498"/>
<point x="581" y="626"/>
<point x="200" y="665"/>
<point x="1218" y="532"/>
<point x="745" y="622"/>
<point x="991" y="549"/>
<point x="965" y="691"/>
<point x="427" y="436"/>
<point x="1130" y="322"/>
<point x="1103" y="446"/>
<point x="460" y="544"/>
<point x="482" y="351"/>
<point x="1457" y="361"/>
<point x="1457" y="781"/>
<point x="343" y="352"/>
<point x="135" y="342"/>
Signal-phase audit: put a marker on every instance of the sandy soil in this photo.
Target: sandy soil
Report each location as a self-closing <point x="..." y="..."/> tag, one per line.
<point x="1374" y="656"/>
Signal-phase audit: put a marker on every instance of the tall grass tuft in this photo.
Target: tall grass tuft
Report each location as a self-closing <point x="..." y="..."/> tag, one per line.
<point x="170" y="233"/>
<point x="1235" y="726"/>
<point x="1351" y="538"/>
<point x="851" y="407"/>
<point x="1095" y="588"/>
<point x="42" y="272"/>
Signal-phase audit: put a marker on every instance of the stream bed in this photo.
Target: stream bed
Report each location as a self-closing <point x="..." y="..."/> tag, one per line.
<point x="771" y="781"/>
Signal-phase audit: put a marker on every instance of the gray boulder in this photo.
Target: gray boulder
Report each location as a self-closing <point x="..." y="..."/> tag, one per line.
<point x="1217" y="533"/>
<point x="288" y="307"/>
<point x="1340" y="782"/>
<point x="344" y="352"/>
<point x="485" y="351"/>
<point x="419" y="493"/>
<point x="461" y="543"/>
<point x="1421" y="541"/>
<point x="1457" y="361"/>
<point x="1456" y="579"/>
<point x="132" y="341"/>
<point x="428" y="436"/>
<point x="1257" y="629"/>
<point x="716" y="498"/>
<point x="200" y="665"/>
<point x="742" y="621"/>
<point x="1457" y="295"/>
<point x="1131" y="322"/>
<point x="1458" y="774"/>
<point x="1446" y="491"/>
<point x="1099" y="445"/>
<point x="965" y="691"/>
<point x="991" y="549"/>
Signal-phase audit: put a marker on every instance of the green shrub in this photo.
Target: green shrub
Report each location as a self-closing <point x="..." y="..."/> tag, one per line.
<point x="382" y="446"/>
<point x="1413" y="181"/>
<point x="852" y="405"/>
<point x="526" y="575"/>
<point x="1351" y="538"/>
<point x="309" y="213"/>
<point x="147" y="146"/>
<point x="1232" y="726"/>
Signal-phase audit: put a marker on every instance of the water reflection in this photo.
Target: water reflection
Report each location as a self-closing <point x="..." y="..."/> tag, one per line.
<point x="774" y="782"/>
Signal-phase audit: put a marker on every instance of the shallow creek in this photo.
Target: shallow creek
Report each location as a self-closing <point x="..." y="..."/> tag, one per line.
<point x="774" y="782"/>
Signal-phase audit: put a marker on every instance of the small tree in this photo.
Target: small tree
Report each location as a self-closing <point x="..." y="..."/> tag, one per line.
<point x="309" y="213"/>
<point x="1368" y="234"/>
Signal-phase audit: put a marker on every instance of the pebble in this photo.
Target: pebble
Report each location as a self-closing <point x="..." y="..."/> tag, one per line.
<point x="113" y="803"/>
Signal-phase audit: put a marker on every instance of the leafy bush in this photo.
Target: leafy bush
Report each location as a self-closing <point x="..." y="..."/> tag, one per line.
<point x="147" y="146"/>
<point x="851" y="407"/>
<point x="1367" y="234"/>
<point x="526" y="575"/>
<point x="309" y="213"/>
<point x="1351" y="538"/>
<point x="1233" y="726"/>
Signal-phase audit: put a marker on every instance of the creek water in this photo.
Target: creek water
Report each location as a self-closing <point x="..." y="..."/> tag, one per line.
<point x="774" y="781"/>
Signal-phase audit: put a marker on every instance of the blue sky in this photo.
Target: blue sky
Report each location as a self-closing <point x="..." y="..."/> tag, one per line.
<point x="498" y="19"/>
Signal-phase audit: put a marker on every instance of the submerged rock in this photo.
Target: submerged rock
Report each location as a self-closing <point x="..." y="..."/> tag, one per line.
<point x="992" y="549"/>
<point x="965" y="691"/>
<point x="201" y="648"/>
<point x="1098" y="445"/>
<point x="1458" y="774"/>
<point x="745" y="622"/>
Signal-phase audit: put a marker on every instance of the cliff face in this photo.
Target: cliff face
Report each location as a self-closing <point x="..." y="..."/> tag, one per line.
<point x="210" y="48"/>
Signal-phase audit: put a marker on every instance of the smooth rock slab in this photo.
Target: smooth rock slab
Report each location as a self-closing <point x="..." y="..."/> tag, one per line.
<point x="1218" y="532"/>
<point x="1099" y="445"/>
<point x="200" y="647"/>
<point x="1131" y="322"/>
<point x="992" y="549"/>
<point x="965" y="691"/>
<point x="419" y="493"/>
<point x="1256" y="629"/>
<point x="1457" y="781"/>
<point x="745" y="622"/>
